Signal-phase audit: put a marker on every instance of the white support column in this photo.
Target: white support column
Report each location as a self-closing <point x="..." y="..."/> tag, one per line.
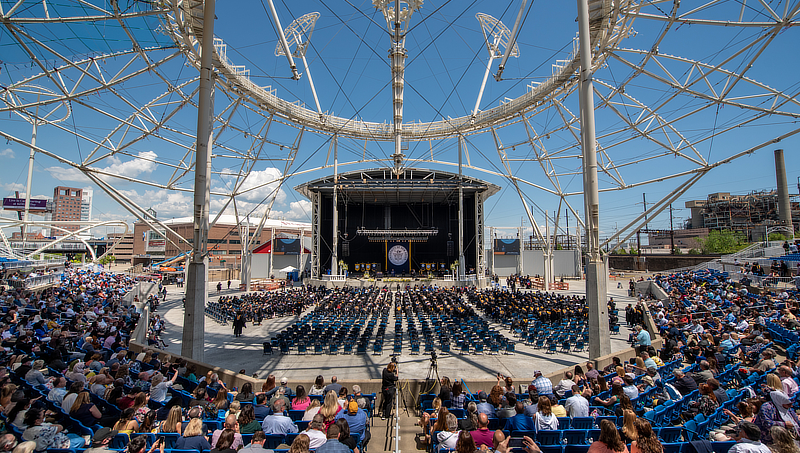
<point x="483" y="83"/>
<point x="521" y="236"/>
<point x="302" y="264"/>
<point x="272" y="251"/>
<point x="283" y="42"/>
<point x="546" y="251"/>
<point x="491" y="247"/>
<point x="193" y="342"/>
<point x="30" y="178"/>
<point x="461" y="260"/>
<point x="335" y="242"/>
<point x="596" y="276"/>
<point x="511" y="41"/>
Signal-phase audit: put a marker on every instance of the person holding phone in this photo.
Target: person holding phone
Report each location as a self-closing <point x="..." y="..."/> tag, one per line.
<point x="139" y="443"/>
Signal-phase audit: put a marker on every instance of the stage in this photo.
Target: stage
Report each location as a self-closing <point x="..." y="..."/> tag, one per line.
<point x="396" y="283"/>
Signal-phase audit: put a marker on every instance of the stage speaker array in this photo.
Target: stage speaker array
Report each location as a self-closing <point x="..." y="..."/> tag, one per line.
<point x="450" y="248"/>
<point x="345" y="249"/>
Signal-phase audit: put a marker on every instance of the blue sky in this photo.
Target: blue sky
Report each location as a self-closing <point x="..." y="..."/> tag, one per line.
<point x="347" y="57"/>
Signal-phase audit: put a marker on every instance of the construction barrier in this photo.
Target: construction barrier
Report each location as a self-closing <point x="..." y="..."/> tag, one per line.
<point x="559" y="286"/>
<point x="261" y="285"/>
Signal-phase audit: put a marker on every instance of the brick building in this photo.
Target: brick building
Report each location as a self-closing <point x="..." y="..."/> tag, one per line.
<point x="66" y="207"/>
<point x="224" y="238"/>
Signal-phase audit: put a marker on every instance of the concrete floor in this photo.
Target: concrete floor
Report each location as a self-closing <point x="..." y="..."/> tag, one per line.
<point x="224" y="350"/>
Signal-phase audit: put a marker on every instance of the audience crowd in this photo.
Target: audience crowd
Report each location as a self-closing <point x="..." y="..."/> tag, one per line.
<point x="726" y="371"/>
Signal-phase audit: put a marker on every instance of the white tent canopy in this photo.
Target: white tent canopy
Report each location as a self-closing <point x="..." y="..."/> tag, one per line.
<point x="287" y="269"/>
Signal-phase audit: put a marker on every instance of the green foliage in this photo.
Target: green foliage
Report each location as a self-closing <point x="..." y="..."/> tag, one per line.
<point x="677" y="251"/>
<point x="722" y="241"/>
<point x="634" y="251"/>
<point x="695" y="252"/>
<point x="107" y="259"/>
<point x="620" y="251"/>
<point x="777" y="237"/>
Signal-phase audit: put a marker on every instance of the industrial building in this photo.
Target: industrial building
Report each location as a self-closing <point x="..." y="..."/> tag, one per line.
<point x="749" y="214"/>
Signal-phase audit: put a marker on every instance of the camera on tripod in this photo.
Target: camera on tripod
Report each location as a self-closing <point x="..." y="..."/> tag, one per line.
<point x="433" y="358"/>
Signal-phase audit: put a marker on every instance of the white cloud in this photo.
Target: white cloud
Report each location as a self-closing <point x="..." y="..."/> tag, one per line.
<point x="8" y="152"/>
<point x="13" y="186"/>
<point x="166" y="203"/>
<point x="268" y="179"/>
<point x="132" y="168"/>
<point x="298" y="210"/>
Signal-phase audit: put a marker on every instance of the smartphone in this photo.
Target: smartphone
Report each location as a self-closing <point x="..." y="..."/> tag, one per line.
<point x="161" y="440"/>
<point x="516" y="442"/>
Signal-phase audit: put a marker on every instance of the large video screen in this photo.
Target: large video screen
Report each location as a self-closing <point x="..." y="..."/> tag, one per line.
<point x="506" y="246"/>
<point x="286" y="246"/>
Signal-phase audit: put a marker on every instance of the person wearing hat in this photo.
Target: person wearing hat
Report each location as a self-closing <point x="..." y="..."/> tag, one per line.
<point x="24" y="366"/>
<point x="542" y="384"/>
<point x="355" y="416"/>
<point x="279" y="395"/>
<point x="101" y="440"/>
<point x="748" y="439"/>
<point x="485" y="407"/>
<point x="285" y="386"/>
<point x="531" y="404"/>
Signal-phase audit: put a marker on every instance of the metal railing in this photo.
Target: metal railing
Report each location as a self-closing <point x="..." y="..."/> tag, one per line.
<point x="42" y="280"/>
<point x="36" y="263"/>
<point x="335" y="278"/>
<point x="763" y="281"/>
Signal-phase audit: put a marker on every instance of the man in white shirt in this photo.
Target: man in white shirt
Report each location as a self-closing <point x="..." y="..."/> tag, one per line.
<point x="742" y="325"/>
<point x="695" y="327"/>
<point x="564" y="385"/>
<point x="59" y="390"/>
<point x="577" y="405"/>
<point x="315" y="433"/>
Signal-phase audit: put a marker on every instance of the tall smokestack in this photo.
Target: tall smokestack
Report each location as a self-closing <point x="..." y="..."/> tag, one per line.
<point x="784" y="208"/>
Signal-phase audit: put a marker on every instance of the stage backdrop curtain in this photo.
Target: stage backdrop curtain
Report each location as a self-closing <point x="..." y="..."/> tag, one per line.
<point x="397" y="257"/>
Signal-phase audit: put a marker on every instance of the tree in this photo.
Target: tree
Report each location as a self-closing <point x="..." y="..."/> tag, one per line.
<point x="620" y="251"/>
<point x="777" y="237"/>
<point x="677" y="251"/>
<point x="722" y="242"/>
<point x="107" y="259"/>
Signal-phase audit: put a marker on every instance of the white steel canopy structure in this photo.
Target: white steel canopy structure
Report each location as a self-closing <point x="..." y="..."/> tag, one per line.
<point x="680" y="88"/>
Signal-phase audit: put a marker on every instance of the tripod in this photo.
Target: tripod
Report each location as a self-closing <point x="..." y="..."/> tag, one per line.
<point x="433" y="370"/>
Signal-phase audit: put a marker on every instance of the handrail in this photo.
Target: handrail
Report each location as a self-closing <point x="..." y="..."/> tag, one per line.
<point x="41" y="280"/>
<point x="397" y="421"/>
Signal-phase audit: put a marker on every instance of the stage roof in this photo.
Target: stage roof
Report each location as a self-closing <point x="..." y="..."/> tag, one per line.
<point x="414" y="185"/>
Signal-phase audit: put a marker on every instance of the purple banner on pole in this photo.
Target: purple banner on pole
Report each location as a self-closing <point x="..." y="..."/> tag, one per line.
<point x="18" y="204"/>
